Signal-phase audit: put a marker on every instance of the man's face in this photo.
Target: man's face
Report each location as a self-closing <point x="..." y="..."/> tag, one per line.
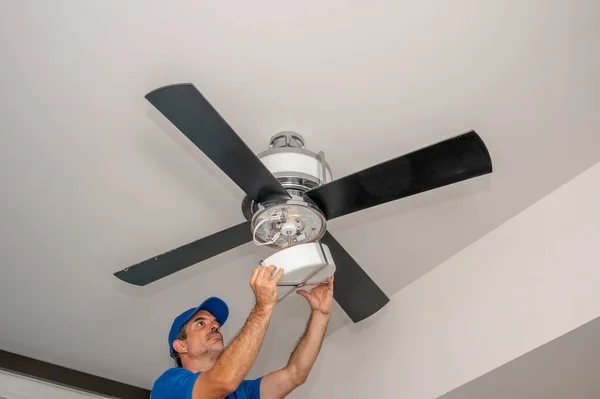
<point x="203" y="335"/>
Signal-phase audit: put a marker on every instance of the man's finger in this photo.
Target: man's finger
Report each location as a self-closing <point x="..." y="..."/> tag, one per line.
<point x="261" y="273"/>
<point x="304" y="293"/>
<point x="269" y="274"/>
<point x="278" y="276"/>
<point x="254" y="275"/>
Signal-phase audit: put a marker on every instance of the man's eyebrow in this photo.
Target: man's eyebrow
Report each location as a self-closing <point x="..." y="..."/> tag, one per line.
<point x="202" y="318"/>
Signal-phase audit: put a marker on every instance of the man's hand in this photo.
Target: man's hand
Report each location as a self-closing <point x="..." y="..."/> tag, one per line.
<point x="265" y="287"/>
<point x="320" y="298"/>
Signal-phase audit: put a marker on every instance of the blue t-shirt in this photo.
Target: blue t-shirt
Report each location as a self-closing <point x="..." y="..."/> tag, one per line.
<point x="178" y="383"/>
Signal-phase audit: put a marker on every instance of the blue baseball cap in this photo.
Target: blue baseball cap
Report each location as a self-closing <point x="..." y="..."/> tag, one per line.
<point x="216" y="306"/>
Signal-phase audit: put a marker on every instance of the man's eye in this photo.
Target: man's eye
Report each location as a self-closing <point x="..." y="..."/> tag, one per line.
<point x="200" y="323"/>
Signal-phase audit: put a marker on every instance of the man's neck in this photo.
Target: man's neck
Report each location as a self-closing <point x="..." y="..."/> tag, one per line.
<point x="200" y="364"/>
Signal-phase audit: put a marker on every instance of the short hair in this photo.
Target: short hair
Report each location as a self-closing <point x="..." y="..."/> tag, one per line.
<point x="180" y="335"/>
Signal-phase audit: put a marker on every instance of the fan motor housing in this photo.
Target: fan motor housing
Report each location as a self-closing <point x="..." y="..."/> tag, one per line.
<point x="298" y="170"/>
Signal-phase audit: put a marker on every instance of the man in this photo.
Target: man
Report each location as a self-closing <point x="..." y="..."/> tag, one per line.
<point x="209" y="371"/>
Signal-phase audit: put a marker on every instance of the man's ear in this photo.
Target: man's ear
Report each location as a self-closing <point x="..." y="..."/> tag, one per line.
<point x="179" y="346"/>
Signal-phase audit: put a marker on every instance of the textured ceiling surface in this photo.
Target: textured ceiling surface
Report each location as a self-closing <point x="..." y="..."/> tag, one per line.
<point x="95" y="179"/>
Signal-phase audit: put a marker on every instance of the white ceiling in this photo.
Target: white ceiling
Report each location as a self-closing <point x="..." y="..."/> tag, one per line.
<point x="566" y="367"/>
<point x="94" y="179"/>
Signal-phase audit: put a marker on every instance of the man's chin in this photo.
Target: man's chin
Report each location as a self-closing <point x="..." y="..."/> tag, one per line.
<point x="217" y="346"/>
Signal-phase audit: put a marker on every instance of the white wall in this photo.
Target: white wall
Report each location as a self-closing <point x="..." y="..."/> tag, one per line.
<point x="529" y="281"/>
<point x="14" y="386"/>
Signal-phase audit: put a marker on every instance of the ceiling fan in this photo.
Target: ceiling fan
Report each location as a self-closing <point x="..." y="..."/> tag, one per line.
<point x="297" y="186"/>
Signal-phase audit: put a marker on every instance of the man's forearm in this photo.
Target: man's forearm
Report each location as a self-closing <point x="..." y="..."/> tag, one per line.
<point x="307" y="350"/>
<point x="236" y="361"/>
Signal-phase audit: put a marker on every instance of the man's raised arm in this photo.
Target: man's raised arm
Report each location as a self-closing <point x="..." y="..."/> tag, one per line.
<point x="235" y="362"/>
<point x="280" y="383"/>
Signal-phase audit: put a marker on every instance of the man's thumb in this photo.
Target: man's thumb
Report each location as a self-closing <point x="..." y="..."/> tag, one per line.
<point x="304" y="293"/>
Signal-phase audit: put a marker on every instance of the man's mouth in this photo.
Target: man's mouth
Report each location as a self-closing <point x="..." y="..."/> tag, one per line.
<point x="216" y="335"/>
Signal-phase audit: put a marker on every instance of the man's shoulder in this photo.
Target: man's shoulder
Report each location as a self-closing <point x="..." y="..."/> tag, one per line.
<point x="179" y="383"/>
<point x="174" y="380"/>
<point x="175" y="372"/>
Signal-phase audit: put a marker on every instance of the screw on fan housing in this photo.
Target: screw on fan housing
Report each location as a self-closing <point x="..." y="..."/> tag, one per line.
<point x="282" y="223"/>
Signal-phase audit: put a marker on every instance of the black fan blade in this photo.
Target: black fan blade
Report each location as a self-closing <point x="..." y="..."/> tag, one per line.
<point x="459" y="158"/>
<point x="192" y="114"/>
<point x="187" y="255"/>
<point x="354" y="290"/>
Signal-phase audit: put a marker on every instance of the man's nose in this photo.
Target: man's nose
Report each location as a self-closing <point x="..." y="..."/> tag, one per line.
<point x="214" y="327"/>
